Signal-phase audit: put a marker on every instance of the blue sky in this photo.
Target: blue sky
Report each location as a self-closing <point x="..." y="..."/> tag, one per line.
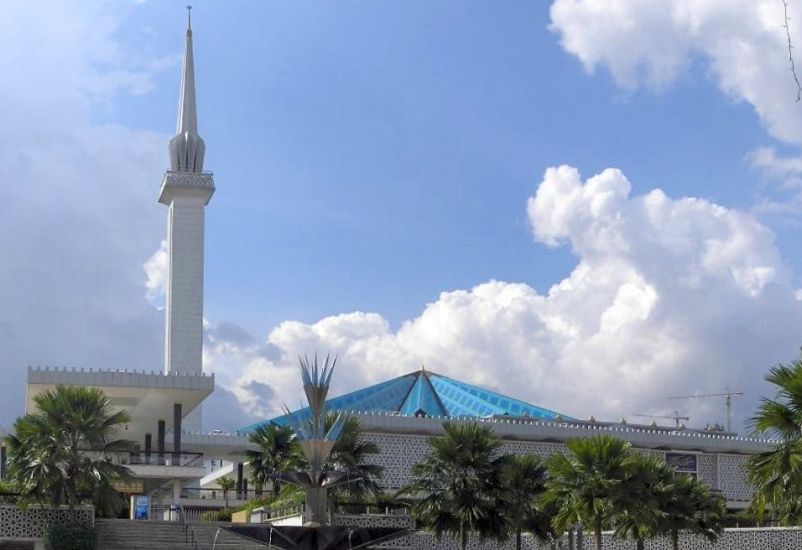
<point x="370" y="155"/>
<point x="380" y="164"/>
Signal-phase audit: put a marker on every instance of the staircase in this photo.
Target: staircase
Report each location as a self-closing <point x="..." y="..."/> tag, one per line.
<point x="123" y="534"/>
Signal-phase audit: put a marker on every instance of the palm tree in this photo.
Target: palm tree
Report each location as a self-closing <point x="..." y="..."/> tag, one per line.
<point x="456" y="485"/>
<point x="226" y="484"/>
<point x="777" y="474"/>
<point x="66" y="451"/>
<point x="523" y="482"/>
<point x="585" y="485"/>
<point x="351" y="454"/>
<point x="277" y="451"/>
<point x="638" y="513"/>
<point x="688" y="505"/>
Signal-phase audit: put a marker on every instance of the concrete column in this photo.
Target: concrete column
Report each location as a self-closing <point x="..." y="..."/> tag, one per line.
<point x="316" y="505"/>
<point x="176" y="491"/>
<point x="148" y="445"/>
<point x="160" y="442"/>
<point x="240" y="478"/>
<point x="177" y="433"/>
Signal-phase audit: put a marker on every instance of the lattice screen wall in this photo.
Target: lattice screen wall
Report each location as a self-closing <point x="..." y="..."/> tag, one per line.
<point x="399" y="452"/>
<point x="732" y="539"/>
<point x="32" y="522"/>
<point x="732" y="478"/>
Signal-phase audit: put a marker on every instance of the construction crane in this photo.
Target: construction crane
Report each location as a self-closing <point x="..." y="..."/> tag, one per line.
<point x="727" y="395"/>
<point x="675" y="417"/>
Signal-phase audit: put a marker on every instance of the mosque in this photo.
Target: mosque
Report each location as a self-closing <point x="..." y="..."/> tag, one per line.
<point x="178" y="463"/>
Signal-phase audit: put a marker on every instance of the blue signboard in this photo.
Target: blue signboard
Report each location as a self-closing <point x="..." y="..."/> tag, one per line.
<point x="141" y="506"/>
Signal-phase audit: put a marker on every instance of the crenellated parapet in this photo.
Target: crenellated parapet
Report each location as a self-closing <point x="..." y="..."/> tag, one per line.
<point x="120" y="378"/>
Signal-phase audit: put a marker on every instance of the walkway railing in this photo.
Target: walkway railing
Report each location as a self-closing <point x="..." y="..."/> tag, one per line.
<point x="217" y="494"/>
<point x="191" y="460"/>
<point x="189" y="531"/>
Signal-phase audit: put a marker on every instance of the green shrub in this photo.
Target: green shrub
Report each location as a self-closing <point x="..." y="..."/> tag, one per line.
<point x="290" y="496"/>
<point x="217" y="515"/>
<point x="67" y="536"/>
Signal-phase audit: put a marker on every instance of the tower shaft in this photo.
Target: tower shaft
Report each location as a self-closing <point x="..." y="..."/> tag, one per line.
<point x="186" y="190"/>
<point x="184" y="300"/>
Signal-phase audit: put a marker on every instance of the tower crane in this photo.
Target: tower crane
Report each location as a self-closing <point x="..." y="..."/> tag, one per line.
<point x="675" y="417"/>
<point x="727" y="395"/>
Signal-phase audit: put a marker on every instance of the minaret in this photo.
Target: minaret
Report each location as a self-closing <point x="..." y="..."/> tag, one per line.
<point x="186" y="190"/>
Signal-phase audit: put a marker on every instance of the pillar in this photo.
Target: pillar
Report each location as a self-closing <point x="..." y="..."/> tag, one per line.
<point x="160" y="442"/>
<point x="148" y="445"/>
<point x="240" y="478"/>
<point x="316" y="505"/>
<point x="176" y="491"/>
<point x="177" y="433"/>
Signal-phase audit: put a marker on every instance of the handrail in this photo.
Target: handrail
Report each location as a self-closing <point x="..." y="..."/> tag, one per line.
<point x="182" y="519"/>
<point x="217" y="494"/>
<point x="166" y="459"/>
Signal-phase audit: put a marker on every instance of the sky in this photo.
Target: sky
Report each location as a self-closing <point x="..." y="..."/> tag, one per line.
<point x="591" y="205"/>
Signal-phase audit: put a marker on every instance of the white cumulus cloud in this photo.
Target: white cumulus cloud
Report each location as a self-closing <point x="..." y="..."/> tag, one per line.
<point x="646" y="42"/>
<point x="668" y="296"/>
<point x="156" y="270"/>
<point x="742" y="44"/>
<point x="78" y="211"/>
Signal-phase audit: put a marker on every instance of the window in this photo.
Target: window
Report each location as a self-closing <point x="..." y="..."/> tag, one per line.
<point x="684" y="463"/>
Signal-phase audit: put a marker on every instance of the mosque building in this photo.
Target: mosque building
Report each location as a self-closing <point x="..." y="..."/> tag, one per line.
<point x="399" y="415"/>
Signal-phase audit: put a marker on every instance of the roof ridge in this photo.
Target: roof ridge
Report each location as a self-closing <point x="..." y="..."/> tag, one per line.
<point x="434" y="391"/>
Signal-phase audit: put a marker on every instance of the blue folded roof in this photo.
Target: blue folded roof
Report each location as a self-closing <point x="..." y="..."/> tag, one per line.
<point x="425" y="393"/>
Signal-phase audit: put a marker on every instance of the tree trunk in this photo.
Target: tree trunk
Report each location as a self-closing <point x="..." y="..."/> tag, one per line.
<point x="597" y="529"/>
<point x="640" y="544"/>
<point x="463" y="537"/>
<point x="571" y="545"/>
<point x="674" y="539"/>
<point x="518" y="538"/>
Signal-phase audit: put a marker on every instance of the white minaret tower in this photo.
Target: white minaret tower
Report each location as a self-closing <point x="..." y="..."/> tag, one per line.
<point x="186" y="190"/>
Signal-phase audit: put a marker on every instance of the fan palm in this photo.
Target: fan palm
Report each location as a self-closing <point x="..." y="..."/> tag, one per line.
<point x="226" y="484"/>
<point x="586" y="485"/>
<point x="688" y="505"/>
<point x="66" y="451"/>
<point x="351" y="454"/>
<point x="523" y="482"/>
<point x="777" y="474"/>
<point x="277" y="451"/>
<point x="638" y="510"/>
<point x="456" y="486"/>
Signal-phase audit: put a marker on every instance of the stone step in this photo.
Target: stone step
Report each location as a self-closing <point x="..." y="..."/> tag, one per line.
<point x="159" y="535"/>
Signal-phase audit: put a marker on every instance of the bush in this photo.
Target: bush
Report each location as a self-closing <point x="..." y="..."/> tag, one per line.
<point x="66" y="536"/>
<point x="223" y="514"/>
<point x="290" y="496"/>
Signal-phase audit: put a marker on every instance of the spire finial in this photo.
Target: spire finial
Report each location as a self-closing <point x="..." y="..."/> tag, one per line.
<point x="187" y="148"/>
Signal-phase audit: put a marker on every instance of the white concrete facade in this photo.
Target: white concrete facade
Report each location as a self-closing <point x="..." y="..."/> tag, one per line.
<point x="186" y="190"/>
<point x="183" y="344"/>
